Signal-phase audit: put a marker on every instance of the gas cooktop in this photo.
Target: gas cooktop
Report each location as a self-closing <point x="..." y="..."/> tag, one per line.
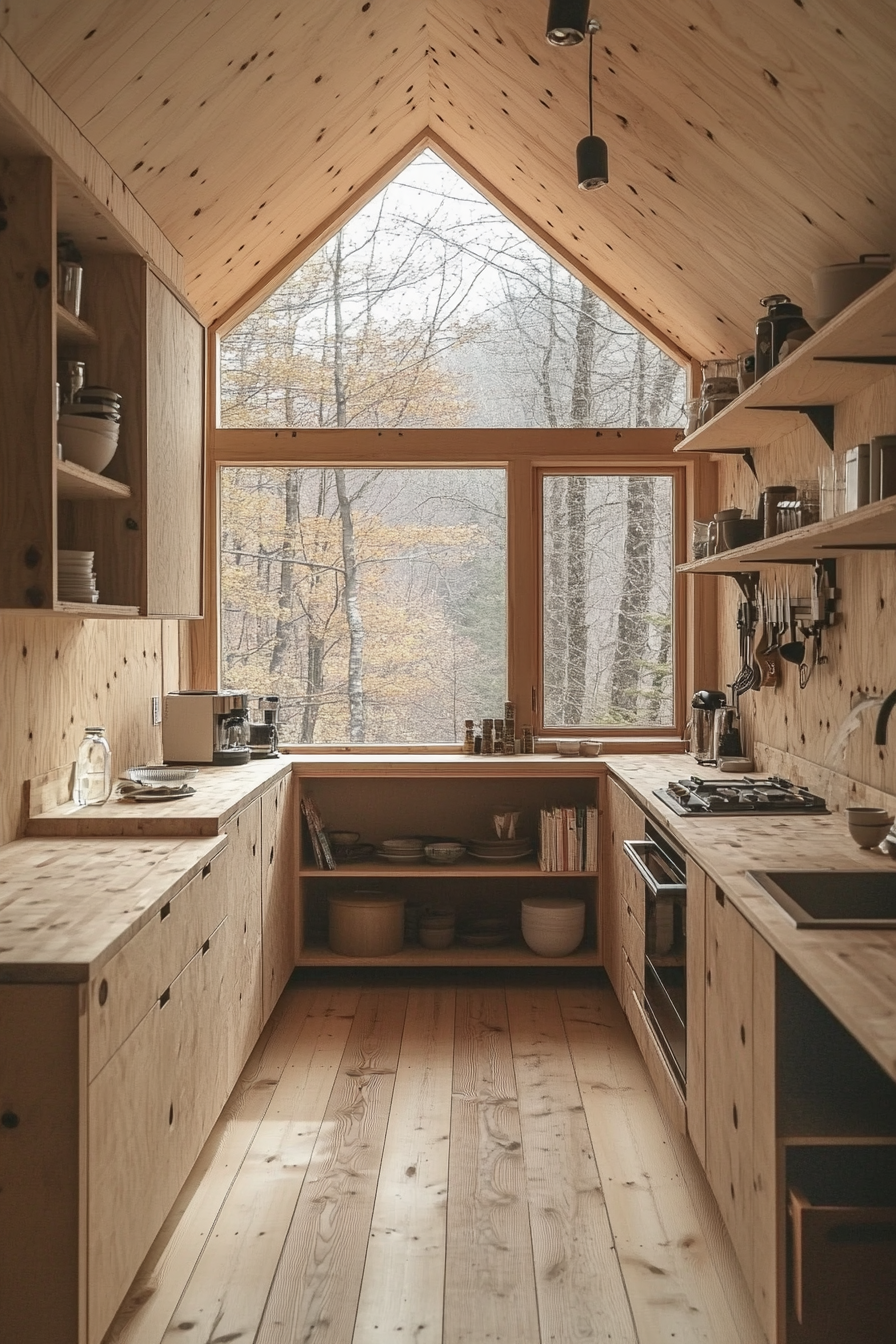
<point x="695" y="797"/>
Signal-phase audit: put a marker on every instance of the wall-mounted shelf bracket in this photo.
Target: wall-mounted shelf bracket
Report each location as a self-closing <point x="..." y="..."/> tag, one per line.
<point x="822" y="418"/>
<point x="748" y="583"/>
<point x="745" y="453"/>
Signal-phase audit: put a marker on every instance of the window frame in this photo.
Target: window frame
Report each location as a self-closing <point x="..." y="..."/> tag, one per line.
<point x="525" y="455"/>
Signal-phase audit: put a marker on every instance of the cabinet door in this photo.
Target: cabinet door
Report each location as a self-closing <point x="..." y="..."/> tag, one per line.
<point x="175" y="405"/>
<point x="729" y="1069"/>
<point x="621" y="886"/>
<point x="279" y="843"/>
<point x="149" y="1112"/>
<point x="242" y="862"/>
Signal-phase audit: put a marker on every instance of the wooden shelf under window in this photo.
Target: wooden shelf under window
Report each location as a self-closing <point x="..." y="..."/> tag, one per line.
<point x="824" y="371"/>
<point x="71" y="330"/>
<point x="506" y="954"/>
<point x="74" y="482"/>
<point x="871" y="528"/>
<point x="396" y="870"/>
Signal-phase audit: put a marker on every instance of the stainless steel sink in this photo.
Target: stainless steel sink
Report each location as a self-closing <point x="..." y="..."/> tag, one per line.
<point x="852" y="899"/>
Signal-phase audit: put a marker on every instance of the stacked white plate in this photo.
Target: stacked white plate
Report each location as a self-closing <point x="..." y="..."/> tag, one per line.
<point x="553" y="926"/>
<point x="76" y="580"/>
<point x="501" y="851"/>
<point x="402" y="849"/>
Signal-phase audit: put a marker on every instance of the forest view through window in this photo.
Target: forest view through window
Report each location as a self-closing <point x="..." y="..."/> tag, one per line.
<point x="371" y="600"/>
<point x="607" y="601"/>
<point x="429" y="308"/>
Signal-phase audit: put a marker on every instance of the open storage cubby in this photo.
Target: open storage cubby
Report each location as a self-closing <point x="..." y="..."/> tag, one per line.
<point x="384" y="803"/>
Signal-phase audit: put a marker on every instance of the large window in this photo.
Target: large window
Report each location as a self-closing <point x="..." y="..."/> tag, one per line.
<point x="372" y="601"/>
<point x="607" y="565"/>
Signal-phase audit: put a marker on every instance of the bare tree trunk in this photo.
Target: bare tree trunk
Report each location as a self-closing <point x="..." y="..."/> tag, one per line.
<point x="576" y="564"/>
<point x="287" y="572"/>
<point x="632" y="629"/>
<point x="349" y="555"/>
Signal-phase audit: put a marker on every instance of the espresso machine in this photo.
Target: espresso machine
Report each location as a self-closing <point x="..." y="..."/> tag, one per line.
<point x="206" y="728"/>
<point x="264" y="733"/>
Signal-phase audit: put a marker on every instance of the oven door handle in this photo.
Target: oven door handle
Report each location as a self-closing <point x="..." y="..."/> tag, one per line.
<point x="633" y="850"/>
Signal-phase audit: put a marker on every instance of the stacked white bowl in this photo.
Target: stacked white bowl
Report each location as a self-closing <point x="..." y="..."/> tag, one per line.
<point x="88" y="427"/>
<point x="553" y="926"/>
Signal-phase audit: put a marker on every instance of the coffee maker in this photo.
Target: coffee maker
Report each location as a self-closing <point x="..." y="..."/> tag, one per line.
<point x="206" y="728"/>
<point x="703" y="712"/>
<point x="264" y="734"/>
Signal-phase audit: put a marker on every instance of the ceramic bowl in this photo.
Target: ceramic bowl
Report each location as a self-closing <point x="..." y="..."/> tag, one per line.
<point x="590" y="747"/>
<point x="87" y="447"/>
<point x="444" y="853"/>
<point x="567" y="747"/>
<point x="344" y="837"/>
<point x="435" y="938"/>
<point x="868" y="826"/>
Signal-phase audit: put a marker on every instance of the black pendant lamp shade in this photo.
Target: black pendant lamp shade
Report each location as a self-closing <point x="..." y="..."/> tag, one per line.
<point x="567" y="22"/>
<point x="591" y="152"/>
<point x="591" y="162"/>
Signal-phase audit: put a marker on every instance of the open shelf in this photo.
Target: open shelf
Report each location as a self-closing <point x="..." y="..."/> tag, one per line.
<point x="74" y="482"/>
<point x="870" y="528"/>
<point x="96" y="609"/>
<point x="395" y="870"/>
<point x="71" y="330"/>
<point x="506" y="954"/>
<point x="824" y="371"/>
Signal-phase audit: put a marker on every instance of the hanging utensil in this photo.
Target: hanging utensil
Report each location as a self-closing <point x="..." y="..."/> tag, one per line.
<point x="794" y="651"/>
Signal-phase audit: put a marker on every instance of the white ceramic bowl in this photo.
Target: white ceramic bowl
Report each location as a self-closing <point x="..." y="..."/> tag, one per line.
<point x="87" y="447"/>
<point x="443" y="853"/>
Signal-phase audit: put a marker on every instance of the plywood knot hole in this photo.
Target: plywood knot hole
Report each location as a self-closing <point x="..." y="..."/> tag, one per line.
<point x="411" y="1171"/>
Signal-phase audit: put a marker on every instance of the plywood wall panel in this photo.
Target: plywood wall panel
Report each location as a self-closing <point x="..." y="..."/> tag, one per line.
<point x="59" y="675"/>
<point x="861" y="649"/>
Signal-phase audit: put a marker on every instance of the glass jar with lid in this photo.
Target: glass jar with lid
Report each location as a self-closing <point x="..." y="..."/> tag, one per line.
<point x="93" y="769"/>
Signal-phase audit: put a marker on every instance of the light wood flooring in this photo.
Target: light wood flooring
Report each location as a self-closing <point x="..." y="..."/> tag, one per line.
<point x="453" y="1159"/>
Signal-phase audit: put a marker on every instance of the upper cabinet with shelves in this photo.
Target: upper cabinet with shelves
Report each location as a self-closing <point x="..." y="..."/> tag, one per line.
<point x="142" y="516"/>
<point x="849" y="352"/>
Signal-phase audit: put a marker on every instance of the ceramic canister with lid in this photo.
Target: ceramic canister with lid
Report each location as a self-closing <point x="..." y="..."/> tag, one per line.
<point x="366" y="923"/>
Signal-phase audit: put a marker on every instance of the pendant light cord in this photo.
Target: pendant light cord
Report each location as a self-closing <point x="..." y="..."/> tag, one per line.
<point x="591" y="83"/>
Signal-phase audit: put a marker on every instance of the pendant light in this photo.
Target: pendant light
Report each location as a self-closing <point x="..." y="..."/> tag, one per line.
<point x="567" y="22"/>
<point x="591" y="152"/>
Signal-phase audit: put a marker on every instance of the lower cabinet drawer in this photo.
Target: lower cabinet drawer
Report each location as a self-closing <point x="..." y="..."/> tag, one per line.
<point x="841" y="1206"/>
<point x="149" y="1112"/>
<point x="128" y="986"/>
<point x="633" y="1000"/>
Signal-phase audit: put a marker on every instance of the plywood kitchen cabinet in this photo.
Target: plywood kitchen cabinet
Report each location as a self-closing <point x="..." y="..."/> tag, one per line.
<point x="142" y="516"/>
<point x="278" y="889"/>
<point x="242" y="882"/>
<point x="623" y="903"/>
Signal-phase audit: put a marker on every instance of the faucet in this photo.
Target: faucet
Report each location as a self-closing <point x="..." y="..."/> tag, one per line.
<point x="883" y="715"/>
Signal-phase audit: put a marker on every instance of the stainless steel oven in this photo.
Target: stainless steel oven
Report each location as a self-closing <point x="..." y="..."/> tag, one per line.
<point x="663" y="872"/>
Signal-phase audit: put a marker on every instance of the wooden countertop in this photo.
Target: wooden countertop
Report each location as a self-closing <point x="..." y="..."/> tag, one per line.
<point x="852" y="971"/>
<point x="221" y="792"/>
<point x="67" y="906"/>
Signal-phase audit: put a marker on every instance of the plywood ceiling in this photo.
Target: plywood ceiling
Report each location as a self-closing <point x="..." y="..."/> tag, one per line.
<point x="748" y="143"/>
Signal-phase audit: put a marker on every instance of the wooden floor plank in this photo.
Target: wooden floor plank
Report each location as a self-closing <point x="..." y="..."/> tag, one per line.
<point x="146" y="1311"/>
<point x="229" y="1287"/>
<point x="669" y="1266"/>
<point x="490" y="1293"/>
<point x="403" y="1284"/>
<point x="580" y="1286"/>
<point x="314" y="1294"/>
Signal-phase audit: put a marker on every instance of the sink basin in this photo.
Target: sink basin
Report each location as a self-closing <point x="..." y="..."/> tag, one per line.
<point x="853" y="899"/>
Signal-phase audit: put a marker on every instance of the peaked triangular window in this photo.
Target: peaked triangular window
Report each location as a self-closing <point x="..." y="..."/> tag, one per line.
<point x="431" y="309"/>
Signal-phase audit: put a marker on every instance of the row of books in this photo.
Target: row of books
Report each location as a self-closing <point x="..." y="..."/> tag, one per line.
<point x="567" y="840"/>
<point x="323" y="855"/>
